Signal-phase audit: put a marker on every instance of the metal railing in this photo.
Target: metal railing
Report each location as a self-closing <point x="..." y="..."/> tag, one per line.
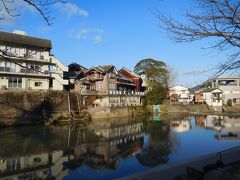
<point x="111" y="92"/>
<point x="220" y="153"/>
<point x="25" y="56"/>
<point x="23" y="70"/>
<point x="114" y="92"/>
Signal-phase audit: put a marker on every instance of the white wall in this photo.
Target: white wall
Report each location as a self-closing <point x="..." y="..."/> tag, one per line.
<point x="57" y="74"/>
<point x="210" y="101"/>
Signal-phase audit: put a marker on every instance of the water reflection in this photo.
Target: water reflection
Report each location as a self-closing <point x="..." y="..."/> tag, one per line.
<point x="181" y="125"/>
<point x="41" y="153"/>
<point x="111" y="148"/>
<point x="226" y="128"/>
<point x="158" y="147"/>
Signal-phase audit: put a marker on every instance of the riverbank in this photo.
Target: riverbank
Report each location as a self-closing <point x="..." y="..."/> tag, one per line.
<point x="48" y="107"/>
<point x="231" y="160"/>
<point x="191" y="108"/>
<point x="200" y="109"/>
<point x="35" y="107"/>
<point x="115" y="112"/>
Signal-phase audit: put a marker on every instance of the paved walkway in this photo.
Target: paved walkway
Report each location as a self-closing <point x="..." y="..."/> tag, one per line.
<point x="171" y="171"/>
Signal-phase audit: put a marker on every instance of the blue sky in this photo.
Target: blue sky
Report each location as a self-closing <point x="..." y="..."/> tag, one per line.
<point x="119" y="32"/>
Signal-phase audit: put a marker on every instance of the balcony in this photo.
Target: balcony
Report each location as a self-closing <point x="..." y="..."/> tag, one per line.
<point x="26" y="58"/>
<point x="23" y="72"/>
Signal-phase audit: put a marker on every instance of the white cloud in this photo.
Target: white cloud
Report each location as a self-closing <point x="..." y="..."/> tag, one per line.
<point x="70" y="9"/>
<point x="98" y="39"/>
<point x="93" y="34"/>
<point x="195" y="71"/>
<point x="82" y="34"/>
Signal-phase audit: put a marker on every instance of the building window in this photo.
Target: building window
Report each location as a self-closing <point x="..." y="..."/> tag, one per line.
<point x="42" y="56"/>
<point x="34" y="69"/>
<point x="15" y="82"/>
<point x="38" y="84"/>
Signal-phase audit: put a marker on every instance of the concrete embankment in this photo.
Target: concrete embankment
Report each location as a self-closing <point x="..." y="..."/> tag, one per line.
<point x="171" y="171"/>
<point x="32" y="107"/>
<point x="35" y="107"/>
<point x="191" y="108"/>
<point x="200" y="109"/>
<point x="114" y="112"/>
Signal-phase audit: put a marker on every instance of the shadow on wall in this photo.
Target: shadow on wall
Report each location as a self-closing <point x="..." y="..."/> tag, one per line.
<point x="31" y="107"/>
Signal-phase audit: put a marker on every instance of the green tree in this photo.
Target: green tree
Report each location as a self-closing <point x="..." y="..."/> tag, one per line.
<point x="157" y="75"/>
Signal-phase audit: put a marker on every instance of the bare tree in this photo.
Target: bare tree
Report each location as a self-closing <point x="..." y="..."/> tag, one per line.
<point x="172" y="76"/>
<point x="215" y="20"/>
<point x="10" y="8"/>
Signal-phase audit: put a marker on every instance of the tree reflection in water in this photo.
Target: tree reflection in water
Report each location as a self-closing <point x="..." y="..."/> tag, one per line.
<point x="158" y="147"/>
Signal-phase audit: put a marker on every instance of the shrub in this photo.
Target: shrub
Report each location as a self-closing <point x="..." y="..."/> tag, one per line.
<point x="229" y="102"/>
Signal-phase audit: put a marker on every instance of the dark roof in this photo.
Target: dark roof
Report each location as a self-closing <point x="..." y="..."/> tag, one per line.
<point x="25" y="40"/>
<point x="78" y="66"/>
<point x="208" y="90"/>
<point x="106" y="68"/>
<point x="102" y="69"/>
<point x="196" y="88"/>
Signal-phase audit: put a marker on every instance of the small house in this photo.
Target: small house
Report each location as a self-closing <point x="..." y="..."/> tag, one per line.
<point x="210" y="96"/>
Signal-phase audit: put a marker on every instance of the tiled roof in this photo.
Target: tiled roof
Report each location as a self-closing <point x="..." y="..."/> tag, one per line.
<point x="102" y="69"/>
<point x="106" y="68"/>
<point x="78" y="65"/>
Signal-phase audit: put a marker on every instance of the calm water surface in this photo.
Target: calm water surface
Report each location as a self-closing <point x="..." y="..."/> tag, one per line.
<point x="112" y="148"/>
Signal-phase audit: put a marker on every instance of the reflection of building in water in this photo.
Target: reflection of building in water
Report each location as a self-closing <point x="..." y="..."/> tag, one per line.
<point x="226" y="128"/>
<point x="124" y="141"/>
<point x="95" y="147"/>
<point x="180" y="126"/>
<point x="208" y="121"/>
<point x="38" y="166"/>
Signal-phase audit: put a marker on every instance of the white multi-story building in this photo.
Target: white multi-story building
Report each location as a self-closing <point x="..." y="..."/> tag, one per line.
<point x="179" y="93"/>
<point x="230" y="87"/>
<point x="26" y="63"/>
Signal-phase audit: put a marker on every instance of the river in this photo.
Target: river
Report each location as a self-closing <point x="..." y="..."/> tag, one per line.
<point x="107" y="149"/>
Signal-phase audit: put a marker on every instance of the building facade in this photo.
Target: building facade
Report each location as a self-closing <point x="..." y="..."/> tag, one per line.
<point x="179" y="93"/>
<point x="135" y="78"/>
<point x="106" y="87"/>
<point x="26" y="63"/>
<point x="230" y="86"/>
<point x="210" y="96"/>
<point x="74" y="74"/>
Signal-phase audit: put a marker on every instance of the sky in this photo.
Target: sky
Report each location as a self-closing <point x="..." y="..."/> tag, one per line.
<point x="118" y="32"/>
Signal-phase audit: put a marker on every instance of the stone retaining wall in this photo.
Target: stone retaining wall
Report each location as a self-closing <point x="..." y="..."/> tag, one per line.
<point x="30" y="107"/>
